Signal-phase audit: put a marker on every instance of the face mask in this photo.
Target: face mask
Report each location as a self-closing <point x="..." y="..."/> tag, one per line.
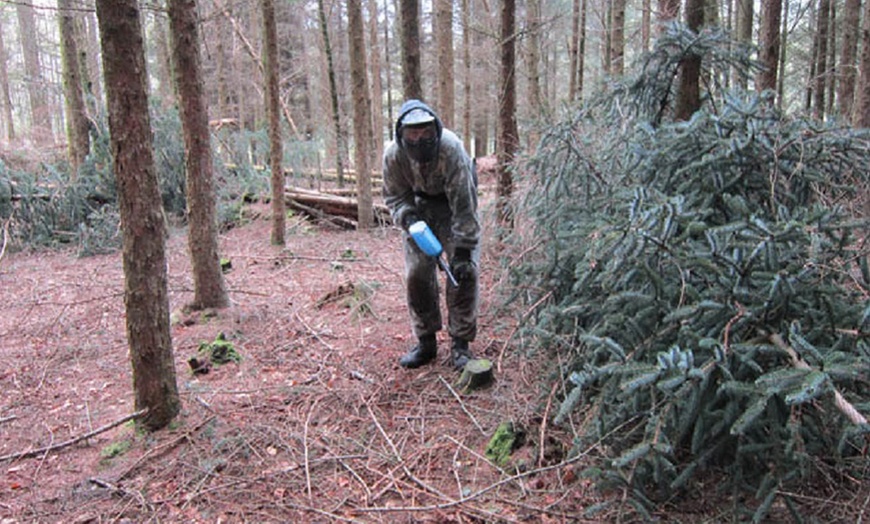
<point x="423" y="150"/>
<point x="421" y="143"/>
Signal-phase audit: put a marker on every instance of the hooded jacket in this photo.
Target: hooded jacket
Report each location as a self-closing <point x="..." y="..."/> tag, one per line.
<point x="450" y="176"/>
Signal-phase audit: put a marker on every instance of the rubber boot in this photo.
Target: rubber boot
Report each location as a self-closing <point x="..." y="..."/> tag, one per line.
<point x="460" y="352"/>
<point x="421" y="354"/>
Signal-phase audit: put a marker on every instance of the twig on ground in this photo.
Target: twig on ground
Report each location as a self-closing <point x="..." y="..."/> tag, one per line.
<point x="462" y="404"/>
<point x="165" y="447"/>
<point x="9" y="418"/>
<point x="401" y="461"/>
<point x="517" y="327"/>
<point x="305" y="451"/>
<point x="118" y="490"/>
<point x="544" y="420"/>
<point x="76" y="440"/>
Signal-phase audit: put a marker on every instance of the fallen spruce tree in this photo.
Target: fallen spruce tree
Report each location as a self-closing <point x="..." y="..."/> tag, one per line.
<point x="707" y="284"/>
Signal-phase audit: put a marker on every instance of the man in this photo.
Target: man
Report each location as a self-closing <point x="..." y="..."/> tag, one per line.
<point x="428" y="176"/>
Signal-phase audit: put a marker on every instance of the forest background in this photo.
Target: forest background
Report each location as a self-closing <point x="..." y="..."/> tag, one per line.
<point x="509" y="78"/>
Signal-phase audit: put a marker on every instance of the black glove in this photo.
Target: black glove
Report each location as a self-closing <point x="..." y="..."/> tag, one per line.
<point x="409" y="218"/>
<point x="461" y="266"/>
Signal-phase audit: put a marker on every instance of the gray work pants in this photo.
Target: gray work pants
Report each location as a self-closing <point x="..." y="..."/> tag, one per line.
<point x="422" y="279"/>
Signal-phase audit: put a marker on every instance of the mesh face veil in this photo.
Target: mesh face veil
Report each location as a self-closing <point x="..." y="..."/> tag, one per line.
<point x="419" y="135"/>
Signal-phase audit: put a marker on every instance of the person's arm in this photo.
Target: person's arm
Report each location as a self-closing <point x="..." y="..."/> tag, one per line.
<point x="461" y="192"/>
<point x="398" y="193"/>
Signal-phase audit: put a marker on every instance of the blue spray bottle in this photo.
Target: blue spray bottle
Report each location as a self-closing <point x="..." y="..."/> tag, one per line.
<point x="426" y="241"/>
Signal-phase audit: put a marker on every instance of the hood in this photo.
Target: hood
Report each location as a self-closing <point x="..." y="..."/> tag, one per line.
<point x="409" y="106"/>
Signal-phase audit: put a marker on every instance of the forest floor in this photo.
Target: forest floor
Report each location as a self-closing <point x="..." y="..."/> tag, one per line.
<point x="316" y="423"/>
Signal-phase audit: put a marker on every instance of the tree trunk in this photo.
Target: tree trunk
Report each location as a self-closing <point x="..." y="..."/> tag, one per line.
<point x="273" y="109"/>
<point x="333" y="94"/>
<point x="581" y="50"/>
<point x="208" y="281"/>
<point x="412" y="82"/>
<point x="508" y="140"/>
<point x="163" y="71"/>
<point x="362" y="119"/>
<point x="861" y="116"/>
<point x="831" y="66"/>
<point x="444" y="38"/>
<point x="4" y="86"/>
<point x="617" y="38"/>
<point x="821" y="67"/>
<point x="848" y="51"/>
<point x="689" y="90"/>
<point x="573" y="51"/>
<point x="78" y="139"/>
<point x="744" y="31"/>
<point x="480" y="86"/>
<point x="377" y="90"/>
<point x="645" y="24"/>
<point x="780" y="84"/>
<point x="533" y="59"/>
<point x="768" y="53"/>
<point x="40" y="115"/>
<point x="94" y="88"/>
<point x="142" y="220"/>
<point x="466" y="74"/>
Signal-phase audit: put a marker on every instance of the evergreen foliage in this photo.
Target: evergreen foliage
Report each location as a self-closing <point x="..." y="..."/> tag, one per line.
<point x="672" y="253"/>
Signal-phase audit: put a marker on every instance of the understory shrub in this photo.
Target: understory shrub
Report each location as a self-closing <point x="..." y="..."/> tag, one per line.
<point x="705" y="285"/>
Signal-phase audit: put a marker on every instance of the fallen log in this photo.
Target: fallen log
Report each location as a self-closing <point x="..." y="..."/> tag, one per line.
<point x="329" y="205"/>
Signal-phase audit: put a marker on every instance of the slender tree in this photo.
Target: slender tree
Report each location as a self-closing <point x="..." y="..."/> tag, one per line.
<point x="362" y="122"/>
<point x="40" y="115"/>
<point x="202" y="239"/>
<point x="159" y="34"/>
<point x="689" y="90"/>
<point x="744" y="18"/>
<point x="412" y="82"/>
<point x="861" y="112"/>
<point x="466" y="74"/>
<point x="573" y="51"/>
<point x="333" y="94"/>
<point x="508" y="140"/>
<point x="77" y="126"/>
<point x="444" y="37"/>
<point x="4" y="85"/>
<point x="377" y="89"/>
<point x="769" y="42"/>
<point x="617" y="38"/>
<point x="533" y="59"/>
<point x="848" y="52"/>
<point x="273" y="108"/>
<point x="142" y="220"/>
<point x="821" y="58"/>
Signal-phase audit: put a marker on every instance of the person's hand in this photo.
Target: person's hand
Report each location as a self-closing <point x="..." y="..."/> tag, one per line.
<point x="461" y="266"/>
<point x="409" y="218"/>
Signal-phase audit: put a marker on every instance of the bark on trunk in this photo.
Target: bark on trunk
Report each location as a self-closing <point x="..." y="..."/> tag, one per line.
<point x="412" y="84"/>
<point x="444" y="36"/>
<point x="142" y="219"/>
<point x="273" y="109"/>
<point x="508" y="141"/>
<point x="362" y="123"/>
<point x="78" y="139"/>
<point x="208" y="281"/>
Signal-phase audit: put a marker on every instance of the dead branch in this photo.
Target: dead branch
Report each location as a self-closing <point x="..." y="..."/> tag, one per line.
<point x="462" y="404"/>
<point x="842" y="404"/>
<point x="76" y="440"/>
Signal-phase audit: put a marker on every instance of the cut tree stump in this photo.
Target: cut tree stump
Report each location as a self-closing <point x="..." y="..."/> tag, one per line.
<point x="477" y="374"/>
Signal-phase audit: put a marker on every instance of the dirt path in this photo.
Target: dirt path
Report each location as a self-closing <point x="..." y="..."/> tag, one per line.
<point x="317" y="423"/>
